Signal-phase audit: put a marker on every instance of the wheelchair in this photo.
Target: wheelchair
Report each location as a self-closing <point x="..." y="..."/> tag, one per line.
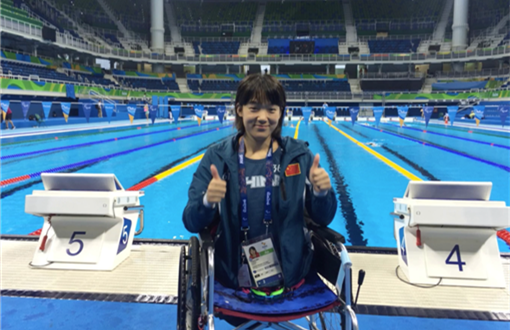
<point x="322" y="303"/>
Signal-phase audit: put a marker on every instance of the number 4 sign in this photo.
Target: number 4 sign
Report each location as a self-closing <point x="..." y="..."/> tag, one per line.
<point x="459" y="262"/>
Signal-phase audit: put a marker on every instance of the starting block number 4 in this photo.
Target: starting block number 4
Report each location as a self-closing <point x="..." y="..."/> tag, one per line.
<point x="459" y="262"/>
<point x="455" y="260"/>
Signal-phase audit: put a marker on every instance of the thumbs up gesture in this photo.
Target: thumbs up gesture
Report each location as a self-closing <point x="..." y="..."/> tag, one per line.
<point x="319" y="177"/>
<point x="217" y="187"/>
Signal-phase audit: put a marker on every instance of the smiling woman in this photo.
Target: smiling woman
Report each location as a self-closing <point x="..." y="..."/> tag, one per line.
<point x="256" y="187"/>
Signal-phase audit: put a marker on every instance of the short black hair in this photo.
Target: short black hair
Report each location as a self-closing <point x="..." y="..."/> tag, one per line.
<point x="261" y="89"/>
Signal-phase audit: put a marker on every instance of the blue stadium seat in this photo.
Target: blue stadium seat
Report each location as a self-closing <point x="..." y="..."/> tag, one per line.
<point x="26" y="70"/>
<point x="224" y="47"/>
<point x="393" y="46"/>
<point x="149" y="83"/>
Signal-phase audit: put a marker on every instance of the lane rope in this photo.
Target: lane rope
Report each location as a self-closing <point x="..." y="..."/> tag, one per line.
<point x="100" y="141"/>
<point x="97" y="159"/>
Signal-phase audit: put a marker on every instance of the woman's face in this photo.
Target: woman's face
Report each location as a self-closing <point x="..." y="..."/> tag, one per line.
<point x="259" y="120"/>
<point x="253" y="253"/>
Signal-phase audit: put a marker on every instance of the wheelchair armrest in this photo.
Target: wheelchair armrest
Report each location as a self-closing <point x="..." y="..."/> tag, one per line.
<point x="327" y="234"/>
<point x="206" y="239"/>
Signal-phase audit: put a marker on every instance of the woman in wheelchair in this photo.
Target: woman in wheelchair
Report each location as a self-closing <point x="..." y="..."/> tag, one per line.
<point x="251" y="191"/>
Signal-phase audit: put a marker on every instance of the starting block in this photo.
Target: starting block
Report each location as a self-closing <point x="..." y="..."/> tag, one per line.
<point x="89" y="221"/>
<point x="446" y="234"/>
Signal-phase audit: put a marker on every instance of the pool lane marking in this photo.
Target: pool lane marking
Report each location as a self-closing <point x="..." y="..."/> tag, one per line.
<point x="296" y="133"/>
<point x="99" y="142"/>
<point x="62" y="168"/>
<point x="429" y="144"/>
<point x="454" y="137"/>
<point x="166" y="173"/>
<point x="502" y="234"/>
<point x="385" y="160"/>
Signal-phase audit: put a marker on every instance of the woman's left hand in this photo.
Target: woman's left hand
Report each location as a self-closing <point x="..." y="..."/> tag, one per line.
<point x="319" y="177"/>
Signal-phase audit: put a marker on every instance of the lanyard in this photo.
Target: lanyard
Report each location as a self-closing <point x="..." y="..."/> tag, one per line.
<point x="243" y="190"/>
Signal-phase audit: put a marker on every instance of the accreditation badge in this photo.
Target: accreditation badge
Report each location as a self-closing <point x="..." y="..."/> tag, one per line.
<point x="263" y="261"/>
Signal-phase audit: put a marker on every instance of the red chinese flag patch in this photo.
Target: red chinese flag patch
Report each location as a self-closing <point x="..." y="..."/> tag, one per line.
<point x="293" y="169"/>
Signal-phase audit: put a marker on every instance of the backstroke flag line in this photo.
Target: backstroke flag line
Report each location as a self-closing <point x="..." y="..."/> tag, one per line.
<point x="354" y="115"/>
<point x="479" y="110"/>
<point x="378" y="111"/>
<point x="427" y="113"/>
<point x="66" y="108"/>
<point x="306" y="113"/>
<point x="452" y="112"/>
<point x="402" y="113"/>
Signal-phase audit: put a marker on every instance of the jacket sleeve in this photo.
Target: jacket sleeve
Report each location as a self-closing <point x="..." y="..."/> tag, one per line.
<point x="321" y="209"/>
<point x="196" y="215"/>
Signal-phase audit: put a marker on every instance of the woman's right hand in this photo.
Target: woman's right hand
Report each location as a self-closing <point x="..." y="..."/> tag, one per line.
<point x="217" y="187"/>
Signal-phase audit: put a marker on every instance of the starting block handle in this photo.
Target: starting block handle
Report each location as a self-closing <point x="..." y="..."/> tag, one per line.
<point x="127" y="208"/>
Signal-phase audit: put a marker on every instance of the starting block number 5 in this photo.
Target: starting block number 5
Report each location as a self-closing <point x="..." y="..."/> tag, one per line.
<point x="79" y="241"/>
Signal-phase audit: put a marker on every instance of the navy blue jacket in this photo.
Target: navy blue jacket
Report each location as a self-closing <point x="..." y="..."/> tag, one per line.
<point x="296" y="193"/>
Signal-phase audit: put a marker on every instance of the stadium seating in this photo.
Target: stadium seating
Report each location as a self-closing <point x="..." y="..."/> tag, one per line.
<point x="171" y="84"/>
<point x="113" y="40"/>
<point x="304" y="11"/>
<point x="194" y="85"/>
<point x="22" y="69"/>
<point x="291" y="85"/>
<point x="215" y="12"/>
<point x="50" y="14"/>
<point x="148" y="83"/>
<point x="93" y="79"/>
<point x="393" y="46"/>
<point x="395" y="9"/>
<point x="88" y="12"/>
<point x="391" y="85"/>
<point x="322" y="46"/>
<point x="224" y="47"/>
<point x="488" y="13"/>
<point x="219" y="85"/>
<point x="7" y="9"/>
<point x="341" y="85"/>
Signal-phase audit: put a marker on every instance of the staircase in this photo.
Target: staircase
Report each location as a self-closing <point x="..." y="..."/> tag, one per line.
<point x="427" y="85"/>
<point x="183" y="85"/>
<point x="85" y="32"/>
<point x="501" y="24"/>
<point x="175" y="31"/>
<point x="441" y="26"/>
<point x="256" y="32"/>
<point x="112" y="78"/>
<point x="82" y="31"/>
<point x="243" y="48"/>
<point x="355" y="87"/>
<point x="117" y="22"/>
<point x="350" y="26"/>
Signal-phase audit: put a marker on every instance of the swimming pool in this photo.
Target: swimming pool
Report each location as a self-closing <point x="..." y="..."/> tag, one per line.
<point x="365" y="185"/>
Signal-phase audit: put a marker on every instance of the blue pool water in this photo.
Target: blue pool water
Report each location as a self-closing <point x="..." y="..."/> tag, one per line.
<point x="365" y="186"/>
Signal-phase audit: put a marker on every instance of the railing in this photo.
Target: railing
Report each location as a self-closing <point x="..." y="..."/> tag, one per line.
<point x="422" y="37"/>
<point x="312" y="36"/>
<point x="217" y="39"/>
<point x="54" y="81"/>
<point x="15" y="25"/>
<point x="468" y="74"/>
<point x="19" y="26"/>
<point x="384" y="75"/>
<point x="290" y="95"/>
<point x="49" y="59"/>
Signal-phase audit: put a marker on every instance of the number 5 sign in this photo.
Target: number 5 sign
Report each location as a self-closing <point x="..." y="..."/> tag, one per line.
<point x="87" y="242"/>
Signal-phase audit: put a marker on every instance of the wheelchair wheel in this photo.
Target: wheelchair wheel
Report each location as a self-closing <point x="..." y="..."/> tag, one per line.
<point x="188" y="303"/>
<point x="333" y="319"/>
